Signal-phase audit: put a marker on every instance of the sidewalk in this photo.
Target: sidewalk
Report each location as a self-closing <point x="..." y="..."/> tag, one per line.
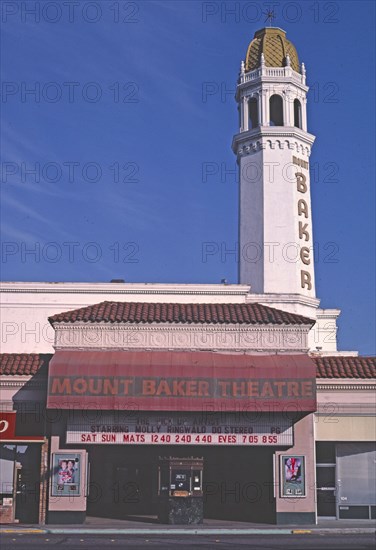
<point x="149" y="526"/>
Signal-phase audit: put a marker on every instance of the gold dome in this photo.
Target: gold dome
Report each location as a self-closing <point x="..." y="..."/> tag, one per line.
<point x="272" y="42"/>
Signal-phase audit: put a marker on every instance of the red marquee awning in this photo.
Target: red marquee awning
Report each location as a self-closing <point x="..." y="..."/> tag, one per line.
<point x="181" y="381"/>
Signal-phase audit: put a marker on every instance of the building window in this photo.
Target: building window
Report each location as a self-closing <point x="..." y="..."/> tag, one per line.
<point x="276" y="110"/>
<point x="297" y="113"/>
<point x="325" y="452"/>
<point x="253" y="113"/>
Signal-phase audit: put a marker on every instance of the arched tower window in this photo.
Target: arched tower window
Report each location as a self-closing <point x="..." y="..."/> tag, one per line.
<point x="276" y="110"/>
<point x="297" y="113"/>
<point x="253" y="113"/>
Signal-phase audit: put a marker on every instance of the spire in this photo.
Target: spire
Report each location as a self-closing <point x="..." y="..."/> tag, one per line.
<point x="271" y="100"/>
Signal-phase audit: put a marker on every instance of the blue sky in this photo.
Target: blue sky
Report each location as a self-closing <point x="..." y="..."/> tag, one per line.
<point x="119" y="130"/>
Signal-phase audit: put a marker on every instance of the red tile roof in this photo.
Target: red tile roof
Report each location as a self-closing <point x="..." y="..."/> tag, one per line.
<point x="22" y="363"/>
<point x="143" y="312"/>
<point x="345" y="367"/>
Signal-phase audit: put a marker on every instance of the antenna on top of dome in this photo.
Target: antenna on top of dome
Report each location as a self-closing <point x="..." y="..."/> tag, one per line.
<point x="270" y="16"/>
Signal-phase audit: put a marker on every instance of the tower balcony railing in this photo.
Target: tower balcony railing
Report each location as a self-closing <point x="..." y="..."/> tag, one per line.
<point x="273" y="72"/>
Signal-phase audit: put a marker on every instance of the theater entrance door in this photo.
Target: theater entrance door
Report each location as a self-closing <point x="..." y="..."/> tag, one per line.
<point x="238" y="481"/>
<point x="122" y="484"/>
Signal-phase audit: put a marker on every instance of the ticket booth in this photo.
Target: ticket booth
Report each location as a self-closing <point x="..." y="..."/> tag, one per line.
<point x="180" y="490"/>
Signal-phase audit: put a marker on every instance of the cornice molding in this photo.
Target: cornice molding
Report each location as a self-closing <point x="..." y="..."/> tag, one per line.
<point x="182" y="337"/>
<point x="113" y="288"/>
<point x="300" y="299"/>
<point x="252" y="141"/>
<point x="331" y="411"/>
<point x="31" y="384"/>
<point x="347" y="386"/>
<point x="328" y="313"/>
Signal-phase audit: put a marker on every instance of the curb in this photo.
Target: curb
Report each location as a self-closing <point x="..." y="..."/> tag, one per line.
<point x="23" y="531"/>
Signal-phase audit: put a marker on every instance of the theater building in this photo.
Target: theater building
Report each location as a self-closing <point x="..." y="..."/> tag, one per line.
<point x="244" y="379"/>
<point x="138" y="365"/>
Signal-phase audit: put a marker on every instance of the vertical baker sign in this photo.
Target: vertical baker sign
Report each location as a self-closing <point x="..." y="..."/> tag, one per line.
<point x="181" y="429"/>
<point x="304" y="225"/>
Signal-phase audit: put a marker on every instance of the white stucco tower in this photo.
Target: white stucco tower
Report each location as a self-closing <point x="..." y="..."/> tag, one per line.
<point x="273" y="148"/>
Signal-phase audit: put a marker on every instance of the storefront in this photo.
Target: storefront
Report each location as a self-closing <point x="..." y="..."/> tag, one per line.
<point x="345" y="430"/>
<point x="346" y="480"/>
<point x="23" y="473"/>
<point x="248" y="416"/>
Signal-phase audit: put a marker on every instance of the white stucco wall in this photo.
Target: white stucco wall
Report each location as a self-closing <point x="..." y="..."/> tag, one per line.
<point x="25" y="308"/>
<point x="275" y="255"/>
<point x="346" y="410"/>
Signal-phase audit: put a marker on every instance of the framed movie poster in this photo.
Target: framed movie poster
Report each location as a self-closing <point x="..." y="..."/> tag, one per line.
<point x="65" y="474"/>
<point x="293" y="476"/>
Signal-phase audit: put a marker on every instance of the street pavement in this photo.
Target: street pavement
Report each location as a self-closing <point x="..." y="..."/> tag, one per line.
<point x="312" y="541"/>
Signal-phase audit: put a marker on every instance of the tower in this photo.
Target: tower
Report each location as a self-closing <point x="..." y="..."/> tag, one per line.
<point x="273" y="148"/>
